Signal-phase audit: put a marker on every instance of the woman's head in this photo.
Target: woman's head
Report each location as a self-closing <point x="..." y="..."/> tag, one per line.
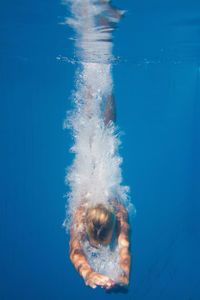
<point x="100" y="221"/>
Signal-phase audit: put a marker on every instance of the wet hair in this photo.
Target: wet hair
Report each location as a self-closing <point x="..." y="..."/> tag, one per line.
<point x="100" y="220"/>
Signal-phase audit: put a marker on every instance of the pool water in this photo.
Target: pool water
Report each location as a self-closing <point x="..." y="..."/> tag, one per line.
<point x="157" y="93"/>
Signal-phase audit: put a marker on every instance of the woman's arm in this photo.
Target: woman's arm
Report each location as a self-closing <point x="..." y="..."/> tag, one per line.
<point x="76" y="253"/>
<point x="123" y="241"/>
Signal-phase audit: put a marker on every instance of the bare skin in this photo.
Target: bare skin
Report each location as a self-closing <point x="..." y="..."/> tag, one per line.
<point x="123" y="241"/>
<point x="78" y="259"/>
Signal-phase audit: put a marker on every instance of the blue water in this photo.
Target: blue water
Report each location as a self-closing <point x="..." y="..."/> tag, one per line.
<point x="157" y="92"/>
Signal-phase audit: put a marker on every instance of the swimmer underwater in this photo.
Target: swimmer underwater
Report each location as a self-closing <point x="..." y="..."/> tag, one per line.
<point x="99" y="223"/>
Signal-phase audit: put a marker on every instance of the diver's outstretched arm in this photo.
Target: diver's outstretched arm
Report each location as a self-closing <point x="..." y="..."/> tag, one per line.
<point x="76" y="253"/>
<point x="125" y="257"/>
<point x="78" y="258"/>
<point x="123" y="242"/>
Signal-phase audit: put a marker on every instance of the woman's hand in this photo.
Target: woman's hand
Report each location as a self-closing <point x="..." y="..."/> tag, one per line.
<point x="94" y="279"/>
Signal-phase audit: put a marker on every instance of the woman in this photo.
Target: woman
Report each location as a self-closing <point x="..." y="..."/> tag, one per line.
<point x="99" y="223"/>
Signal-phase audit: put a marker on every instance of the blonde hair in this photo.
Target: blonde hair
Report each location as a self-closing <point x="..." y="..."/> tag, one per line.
<point x="100" y="221"/>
